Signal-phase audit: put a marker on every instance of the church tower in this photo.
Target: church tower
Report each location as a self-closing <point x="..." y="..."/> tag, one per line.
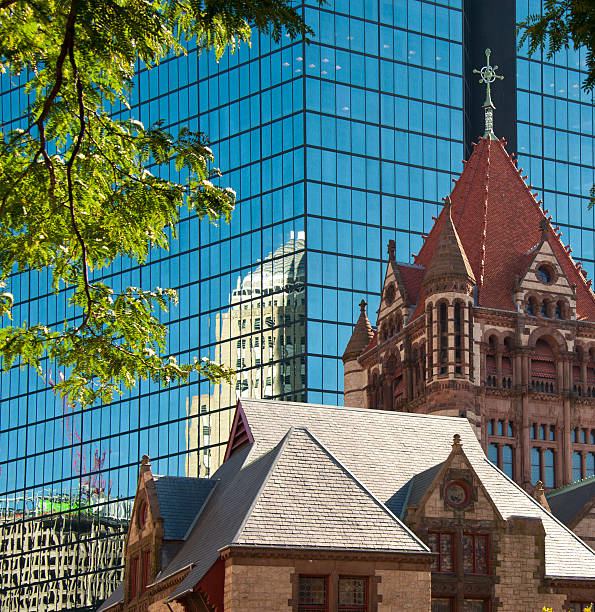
<point x="447" y="288"/>
<point x="493" y="320"/>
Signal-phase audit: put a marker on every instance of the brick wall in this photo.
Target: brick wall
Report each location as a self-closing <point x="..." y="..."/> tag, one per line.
<point x="257" y="588"/>
<point x="404" y="591"/>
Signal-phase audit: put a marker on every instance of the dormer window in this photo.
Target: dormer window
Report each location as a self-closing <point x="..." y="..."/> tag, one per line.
<point x="544" y="274"/>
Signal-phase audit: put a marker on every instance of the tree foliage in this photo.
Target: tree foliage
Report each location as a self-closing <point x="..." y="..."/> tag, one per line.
<point x="563" y="23"/>
<point x="75" y="189"/>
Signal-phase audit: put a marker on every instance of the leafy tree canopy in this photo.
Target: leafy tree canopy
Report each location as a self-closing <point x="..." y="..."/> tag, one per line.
<point x="563" y="23"/>
<point x="75" y="191"/>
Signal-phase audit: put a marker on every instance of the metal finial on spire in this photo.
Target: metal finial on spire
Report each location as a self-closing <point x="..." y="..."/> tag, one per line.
<point x="488" y="75"/>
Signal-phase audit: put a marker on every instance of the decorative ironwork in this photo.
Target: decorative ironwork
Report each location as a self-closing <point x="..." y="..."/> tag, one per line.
<point x="488" y="75"/>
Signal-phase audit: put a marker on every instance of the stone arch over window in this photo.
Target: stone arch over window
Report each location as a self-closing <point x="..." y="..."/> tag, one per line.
<point x="430" y="339"/>
<point x="507" y="362"/>
<point x="393" y="381"/>
<point x="491" y="362"/>
<point x="544" y="374"/>
<point x="442" y="316"/>
<point x="561" y="309"/>
<point x="532" y="306"/>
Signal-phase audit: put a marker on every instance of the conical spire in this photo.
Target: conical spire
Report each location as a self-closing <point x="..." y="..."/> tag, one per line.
<point x="449" y="259"/>
<point x="361" y="336"/>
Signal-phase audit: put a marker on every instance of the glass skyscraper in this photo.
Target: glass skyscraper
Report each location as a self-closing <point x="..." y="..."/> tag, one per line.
<point x="334" y="148"/>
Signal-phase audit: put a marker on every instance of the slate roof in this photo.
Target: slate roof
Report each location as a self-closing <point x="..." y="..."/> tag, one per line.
<point x="189" y="494"/>
<point x="568" y="501"/>
<point x="339" y="477"/>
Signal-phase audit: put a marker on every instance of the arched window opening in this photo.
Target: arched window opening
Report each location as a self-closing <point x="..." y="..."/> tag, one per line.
<point x="507" y="462"/>
<point x="470" y="317"/>
<point x="458" y="339"/>
<point x="430" y="337"/>
<point x="560" y="310"/>
<point x="550" y="474"/>
<point x="544" y="308"/>
<point x="398" y="324"/>
<point x="443" y="337"/>
<point x="543" y="368"/>
<point x="397" y="390"/>
<point x="507" y="364"/>
<point x="535" y="465"/>
<point x="532" y="307"/>
<point x="491" y="365"/>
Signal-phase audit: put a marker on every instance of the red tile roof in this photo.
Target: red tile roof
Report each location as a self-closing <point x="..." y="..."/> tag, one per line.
<point x="498" y="221"/>
<point x="412" y="276"/>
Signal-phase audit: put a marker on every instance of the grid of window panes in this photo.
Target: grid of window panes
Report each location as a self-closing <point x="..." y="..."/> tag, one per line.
<point x="333" y="148"/>
<point x="556" y="138"/>
<point x="383" y="133"/>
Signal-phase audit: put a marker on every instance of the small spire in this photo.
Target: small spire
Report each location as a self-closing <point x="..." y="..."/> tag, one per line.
<point x="488" y="75"/>
<point x="456" y="441"/>
<point x="392" y="248"/>
<point x="361" y="336"/>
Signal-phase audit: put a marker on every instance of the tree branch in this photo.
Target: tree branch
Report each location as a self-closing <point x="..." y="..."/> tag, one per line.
<point x="69" y="164"/>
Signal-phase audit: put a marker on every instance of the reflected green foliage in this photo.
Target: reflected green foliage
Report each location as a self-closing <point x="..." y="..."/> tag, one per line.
<point x="75" y="191"/>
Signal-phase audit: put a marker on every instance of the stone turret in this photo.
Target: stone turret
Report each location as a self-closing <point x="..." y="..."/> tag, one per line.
<point x="355" y="377"/>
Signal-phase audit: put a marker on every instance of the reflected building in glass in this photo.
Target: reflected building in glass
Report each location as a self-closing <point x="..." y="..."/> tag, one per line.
<point x="267" y="321"/>
<point x="334" y="148"/>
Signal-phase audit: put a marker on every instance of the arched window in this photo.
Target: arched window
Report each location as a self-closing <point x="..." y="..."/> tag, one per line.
<point x="507" y="364"/>
<point x="543" y="368"/>
<point x="507" y="463"/>
<point x="491" y="366"/>
<point x="458" y="339"/>
<point x="544" y="308"/>
<point x="535" y="466"/>
<point x="532" y="307"/>
<point x="559" y="311"/>
<point x="550" y="475"/>
<point x="443" y="337"/>
<point x="430" y="337"/>
<point x="576" y="466"/>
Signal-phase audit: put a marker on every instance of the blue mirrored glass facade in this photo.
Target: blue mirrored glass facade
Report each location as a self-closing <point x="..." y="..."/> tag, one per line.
<point x="333" y="147"/>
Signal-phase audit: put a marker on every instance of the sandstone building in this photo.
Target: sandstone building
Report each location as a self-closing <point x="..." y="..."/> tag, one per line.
<point x="493" y="321"/>
<point x="347" y="509"/>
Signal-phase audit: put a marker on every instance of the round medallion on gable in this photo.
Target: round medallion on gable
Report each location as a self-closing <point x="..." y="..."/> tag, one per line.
<point x="456" y="494"/>
<point x="389" y="294"/>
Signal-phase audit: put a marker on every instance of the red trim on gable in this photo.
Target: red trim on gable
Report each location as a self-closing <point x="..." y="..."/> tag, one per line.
<point x="212" y="585"/>
<point x="240" y="432"/>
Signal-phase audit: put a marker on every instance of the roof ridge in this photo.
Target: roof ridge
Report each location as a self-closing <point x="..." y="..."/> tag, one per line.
<point x="571" y="486"/>
<point x="484" y="233"/>
<point x="277" y="449"/>
<point x="366" y="491"/>
<point x="353" y="408"/>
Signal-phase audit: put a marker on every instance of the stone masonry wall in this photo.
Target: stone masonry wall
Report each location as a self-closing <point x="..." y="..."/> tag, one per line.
<point x="257" y="588"/>
<point x="404" y="591"/>
<point x="520" y="572"/>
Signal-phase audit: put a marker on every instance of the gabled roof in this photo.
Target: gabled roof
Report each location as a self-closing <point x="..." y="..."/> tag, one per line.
<point x="345" y="475"/>
<point x="189" y="494"/>
<point x="489" y="194"/>
<point x="310" y="500"/>
<point x="568" y="503"/>
<point x="385" y="450"/>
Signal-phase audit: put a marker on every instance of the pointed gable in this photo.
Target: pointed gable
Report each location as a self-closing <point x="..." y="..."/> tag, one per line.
<point x="240" y="433"/>
<point x="498" y="221"/>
